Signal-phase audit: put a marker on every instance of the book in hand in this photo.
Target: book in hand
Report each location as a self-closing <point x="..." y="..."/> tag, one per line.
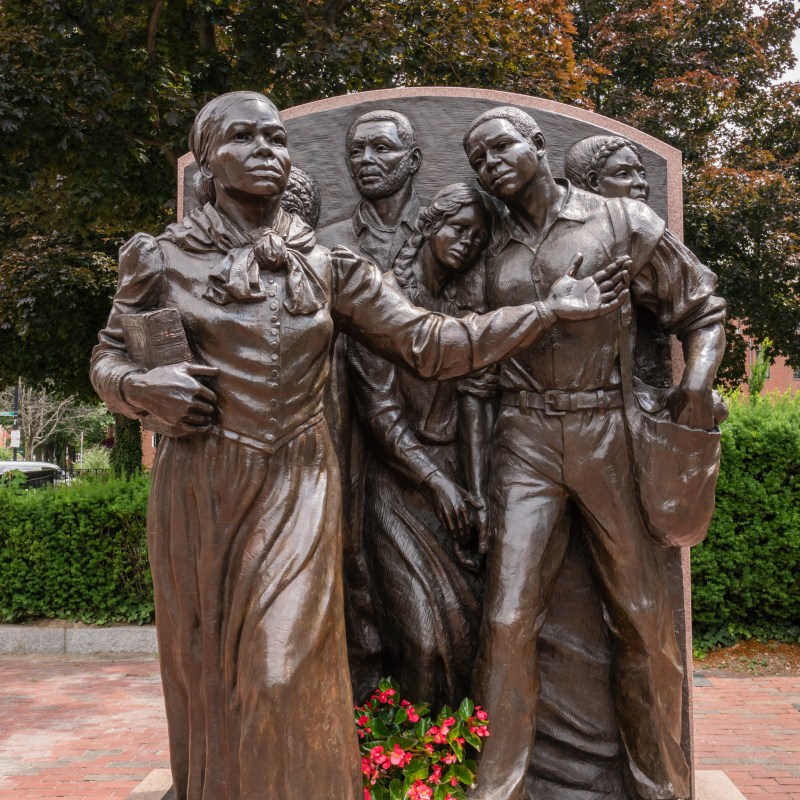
<point x="155" y="339"/>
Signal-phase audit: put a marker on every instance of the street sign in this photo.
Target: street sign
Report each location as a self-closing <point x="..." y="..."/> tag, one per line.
<point x="7" y="414"/>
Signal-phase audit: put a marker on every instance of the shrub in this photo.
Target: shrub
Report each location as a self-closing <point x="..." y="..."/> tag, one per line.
<point x="97" y="457"/>
<point x="746" y="575"/>
<point x="75" y="552"/>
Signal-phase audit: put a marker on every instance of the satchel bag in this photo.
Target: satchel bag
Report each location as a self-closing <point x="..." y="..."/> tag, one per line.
<point x="675" y="468"/>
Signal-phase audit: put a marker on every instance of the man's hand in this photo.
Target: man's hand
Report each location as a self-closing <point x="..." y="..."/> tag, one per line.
<point x="691" y="407"/>
<point x="173" y="394"/>
<point x="599" y="294"/>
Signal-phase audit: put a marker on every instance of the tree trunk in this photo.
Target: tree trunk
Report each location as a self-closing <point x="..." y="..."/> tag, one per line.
<point x="126" y="455"/>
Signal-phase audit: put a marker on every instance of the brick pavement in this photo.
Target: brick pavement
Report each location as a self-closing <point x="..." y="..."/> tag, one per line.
<point x="78" y="728"/>
<point x="750" y="729"/>
<point x="82" y="729"/>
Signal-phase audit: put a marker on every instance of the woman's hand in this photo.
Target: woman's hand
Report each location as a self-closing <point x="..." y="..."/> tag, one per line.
<point x="599" y="294"/>
<point x="174" y="395"/>
<point x="454" y="507"/>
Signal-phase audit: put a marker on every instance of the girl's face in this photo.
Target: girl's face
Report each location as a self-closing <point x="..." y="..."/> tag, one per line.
<point x="249" y="156"/>
<point x="622" y="176"/>
<point x="458" y="244"/>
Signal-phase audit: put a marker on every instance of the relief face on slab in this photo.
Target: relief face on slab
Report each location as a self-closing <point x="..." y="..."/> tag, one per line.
<point x="479" y="468"/>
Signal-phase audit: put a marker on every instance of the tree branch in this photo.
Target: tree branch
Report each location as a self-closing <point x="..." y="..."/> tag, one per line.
<point x="152" y="27"/>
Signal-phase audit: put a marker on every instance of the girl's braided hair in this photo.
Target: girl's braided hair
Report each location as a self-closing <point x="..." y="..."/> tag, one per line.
<point x="590" y="155"/>
<point x="447" y="202"/>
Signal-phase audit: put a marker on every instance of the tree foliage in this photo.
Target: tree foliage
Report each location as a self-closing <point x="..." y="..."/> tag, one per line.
<point x="700" y="74"/>
<point x="96" y="100"/>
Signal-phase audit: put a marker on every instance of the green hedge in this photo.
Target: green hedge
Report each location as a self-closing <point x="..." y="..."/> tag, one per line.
<point x="746" y="575"/>
<point x="78" y="552"/>
<point x="75" y="552"/>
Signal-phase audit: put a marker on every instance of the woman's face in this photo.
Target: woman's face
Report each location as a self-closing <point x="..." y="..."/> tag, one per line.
<point x="622" y="176"/>
<point x="249" y="156"/>
<point x="458" y="244"/>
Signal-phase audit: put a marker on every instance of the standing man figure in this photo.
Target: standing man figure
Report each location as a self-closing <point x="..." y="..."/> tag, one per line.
<point x="383" y="157"/>
<point x="559" y="447"/>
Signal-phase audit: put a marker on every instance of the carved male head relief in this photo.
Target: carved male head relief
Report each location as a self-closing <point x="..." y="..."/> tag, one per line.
<point x="507" y="150"/>
<point x="382" y="153"/>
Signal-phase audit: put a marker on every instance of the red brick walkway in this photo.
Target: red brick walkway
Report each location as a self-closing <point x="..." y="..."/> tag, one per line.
<point x="83" y="729"/>
<point x="750" y="729"/>
<point x="79" y="729"/>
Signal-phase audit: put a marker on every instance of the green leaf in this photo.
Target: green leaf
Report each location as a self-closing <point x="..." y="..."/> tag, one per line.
<point x="396" y="790"/>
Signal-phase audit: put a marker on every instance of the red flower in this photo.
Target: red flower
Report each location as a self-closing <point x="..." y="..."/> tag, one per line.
<point x="376" y="754"/>
<point x="363" y="720"/>
<point x="412" y="714"/>
<point x="367" y="795"/>
<point x="454" y="781"/>
<point x="398" y="756"/>
<point x="419" y="791"/>
<point x="480" y="713"/>
<point x="438" y="734"/>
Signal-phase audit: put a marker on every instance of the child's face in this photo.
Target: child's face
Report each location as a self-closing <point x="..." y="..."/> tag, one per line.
<point x="458" y="244"/>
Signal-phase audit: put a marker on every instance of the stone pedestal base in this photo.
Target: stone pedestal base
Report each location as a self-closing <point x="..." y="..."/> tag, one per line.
<point x="714" y="784"/>
<point x="156" y="786"/>
<point x="711" y="785"/>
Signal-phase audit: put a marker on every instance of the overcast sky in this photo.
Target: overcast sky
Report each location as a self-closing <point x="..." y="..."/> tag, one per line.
<point x="794" y="74"/>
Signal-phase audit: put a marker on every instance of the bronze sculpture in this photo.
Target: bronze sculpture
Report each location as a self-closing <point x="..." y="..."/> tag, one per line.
<point x="418" y="520"/>
<point x="382" y="156"/>
<point x="244" y="514"/>
<point x="607" y="165"/>
<point x="560" y="442"/>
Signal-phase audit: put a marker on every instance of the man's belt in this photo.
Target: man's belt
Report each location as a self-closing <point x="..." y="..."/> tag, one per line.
<point x="558" y="402"/>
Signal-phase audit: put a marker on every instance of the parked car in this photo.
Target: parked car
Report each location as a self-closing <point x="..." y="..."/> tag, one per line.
<point x="37" y="473"/>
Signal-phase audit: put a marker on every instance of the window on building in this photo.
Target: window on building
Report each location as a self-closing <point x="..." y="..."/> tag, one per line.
<point x="796" y="373"/>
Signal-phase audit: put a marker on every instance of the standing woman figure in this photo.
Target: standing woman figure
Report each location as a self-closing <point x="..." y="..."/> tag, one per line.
<point x="419" y="519"/>
<point x="244" y="514"/>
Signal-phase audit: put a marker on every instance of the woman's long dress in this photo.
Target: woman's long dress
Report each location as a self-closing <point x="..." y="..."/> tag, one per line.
<point x="427" y="603"/>
<point x="244" y="522"/>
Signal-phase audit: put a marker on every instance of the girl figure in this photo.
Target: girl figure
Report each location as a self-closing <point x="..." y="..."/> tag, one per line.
<point x="245" y="507"/>
<point x="607" y="165"/>
<point x="419" y="521"/>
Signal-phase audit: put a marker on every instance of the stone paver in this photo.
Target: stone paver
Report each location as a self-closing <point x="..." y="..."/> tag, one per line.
<point x="85" y="729"/>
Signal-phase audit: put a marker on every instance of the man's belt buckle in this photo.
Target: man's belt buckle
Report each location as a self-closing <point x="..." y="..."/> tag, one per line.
<point x="551" y="403"/>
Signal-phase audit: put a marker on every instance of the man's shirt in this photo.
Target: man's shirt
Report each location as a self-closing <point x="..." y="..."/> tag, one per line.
<point x="364" y="233"/>
<point x="582" y="356"/>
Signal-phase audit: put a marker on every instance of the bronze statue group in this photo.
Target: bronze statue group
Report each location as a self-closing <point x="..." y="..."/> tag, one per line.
<point x="399" y="499"/>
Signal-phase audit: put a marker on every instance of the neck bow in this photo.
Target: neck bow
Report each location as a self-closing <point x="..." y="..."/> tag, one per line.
<point x="236" y="279"/>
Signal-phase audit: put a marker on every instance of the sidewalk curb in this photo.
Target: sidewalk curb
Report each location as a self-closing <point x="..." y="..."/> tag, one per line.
<point x="19" y="640"/>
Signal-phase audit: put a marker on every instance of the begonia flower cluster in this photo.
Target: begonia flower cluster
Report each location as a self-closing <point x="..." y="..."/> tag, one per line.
<point x="406" y="754"/>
